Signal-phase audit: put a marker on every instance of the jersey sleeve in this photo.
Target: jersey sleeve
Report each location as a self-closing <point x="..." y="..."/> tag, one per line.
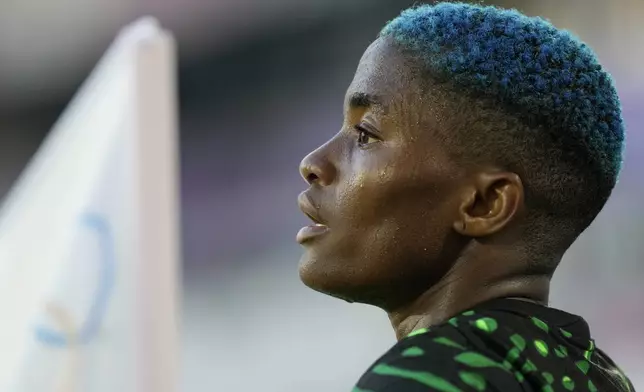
<point x="439" y="363"/>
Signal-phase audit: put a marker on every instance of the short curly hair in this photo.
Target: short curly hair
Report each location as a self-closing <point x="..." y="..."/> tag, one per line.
<point x="532" y="98"/>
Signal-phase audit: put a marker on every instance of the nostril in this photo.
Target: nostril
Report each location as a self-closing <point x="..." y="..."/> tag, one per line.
<point x="311" y="178"/>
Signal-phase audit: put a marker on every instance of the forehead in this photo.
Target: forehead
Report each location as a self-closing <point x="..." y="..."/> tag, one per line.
<point x="383" y="72"/>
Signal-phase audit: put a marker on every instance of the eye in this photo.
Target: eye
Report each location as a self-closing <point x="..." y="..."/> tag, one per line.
<point x="365" y="137"/>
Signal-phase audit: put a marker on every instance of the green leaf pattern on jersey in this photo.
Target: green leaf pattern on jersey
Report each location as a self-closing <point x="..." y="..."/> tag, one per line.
<point x="486" y="324"/>
<point x="561" y="351"/>
<point x="518" y="341"/>
<point x="584" y="366"/>
<point x="413" y="352"/>
<point x="520" y="377"/>
<point x="542" y="325"/>
<point x="476" y="360"/>
<point x="356" y="389"/>
<point x="513" y="355"/>
<point x="474" y="380"/>
<point x="542" y="347"/>
<point x="568" y="383"/>
<point x="591" y="386"/>
<point x="515" y="362"/>
<point x="528" y="367"/>
<point x="425" y="378"/>
<point x="418" y="332"/>
<point x="448" y="342"/>
<point x="591" y="347"/>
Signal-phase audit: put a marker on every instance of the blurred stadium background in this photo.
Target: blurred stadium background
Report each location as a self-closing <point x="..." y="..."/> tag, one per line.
<point x="261" y="84"/>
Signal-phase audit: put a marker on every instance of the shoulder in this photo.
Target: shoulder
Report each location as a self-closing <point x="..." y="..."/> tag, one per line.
<point x="466" y="353"/>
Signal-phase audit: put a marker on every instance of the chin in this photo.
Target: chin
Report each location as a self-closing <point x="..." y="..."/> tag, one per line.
<point x="327" y="279"/>
<point x="337" y="281"/>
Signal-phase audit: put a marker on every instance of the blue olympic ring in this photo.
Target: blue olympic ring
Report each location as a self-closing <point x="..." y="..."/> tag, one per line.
<point x="107" y="275"/>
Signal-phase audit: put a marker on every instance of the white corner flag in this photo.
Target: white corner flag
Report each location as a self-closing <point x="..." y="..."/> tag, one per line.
<point x="89" y="236"/>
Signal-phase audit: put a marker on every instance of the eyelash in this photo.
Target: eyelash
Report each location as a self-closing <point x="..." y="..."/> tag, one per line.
<point x="361" y="130"/>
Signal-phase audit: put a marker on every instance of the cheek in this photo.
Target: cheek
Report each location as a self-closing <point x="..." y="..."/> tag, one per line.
<point x="365" y="190"/>
<point x="394" y="195"/>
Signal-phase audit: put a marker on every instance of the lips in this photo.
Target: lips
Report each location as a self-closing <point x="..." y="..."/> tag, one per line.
<point x="308" y="208"/>
<point x="318" y="228"/>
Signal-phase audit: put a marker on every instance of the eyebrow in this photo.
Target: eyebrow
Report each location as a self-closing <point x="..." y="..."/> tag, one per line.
<point x="364" y="100"/>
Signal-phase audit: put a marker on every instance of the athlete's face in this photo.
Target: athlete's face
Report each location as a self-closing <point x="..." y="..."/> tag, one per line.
<point x="381" y="190"/>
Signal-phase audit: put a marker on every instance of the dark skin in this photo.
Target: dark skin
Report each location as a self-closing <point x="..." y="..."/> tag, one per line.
<point x="406" y="227"/>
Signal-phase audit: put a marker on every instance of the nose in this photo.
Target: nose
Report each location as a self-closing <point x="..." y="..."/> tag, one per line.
<point x="316" y="168"/>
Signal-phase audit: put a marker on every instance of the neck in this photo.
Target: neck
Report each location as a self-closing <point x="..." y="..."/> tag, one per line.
<point x="467" y="284"/>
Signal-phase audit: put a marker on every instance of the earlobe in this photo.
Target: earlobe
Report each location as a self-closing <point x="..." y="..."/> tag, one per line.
<point x="490" y="204"/>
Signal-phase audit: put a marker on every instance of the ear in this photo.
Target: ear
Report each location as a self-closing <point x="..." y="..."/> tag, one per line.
<point x="492" y="201"/>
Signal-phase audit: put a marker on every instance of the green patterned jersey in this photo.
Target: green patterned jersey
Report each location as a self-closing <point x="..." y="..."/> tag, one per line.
<point x="504" y="345"/>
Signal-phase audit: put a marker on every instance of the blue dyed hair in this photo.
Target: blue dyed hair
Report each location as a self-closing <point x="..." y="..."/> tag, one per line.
<point x="563" y="132"/>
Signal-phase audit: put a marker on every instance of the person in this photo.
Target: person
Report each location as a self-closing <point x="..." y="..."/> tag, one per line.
<point x="477" y="144"/>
